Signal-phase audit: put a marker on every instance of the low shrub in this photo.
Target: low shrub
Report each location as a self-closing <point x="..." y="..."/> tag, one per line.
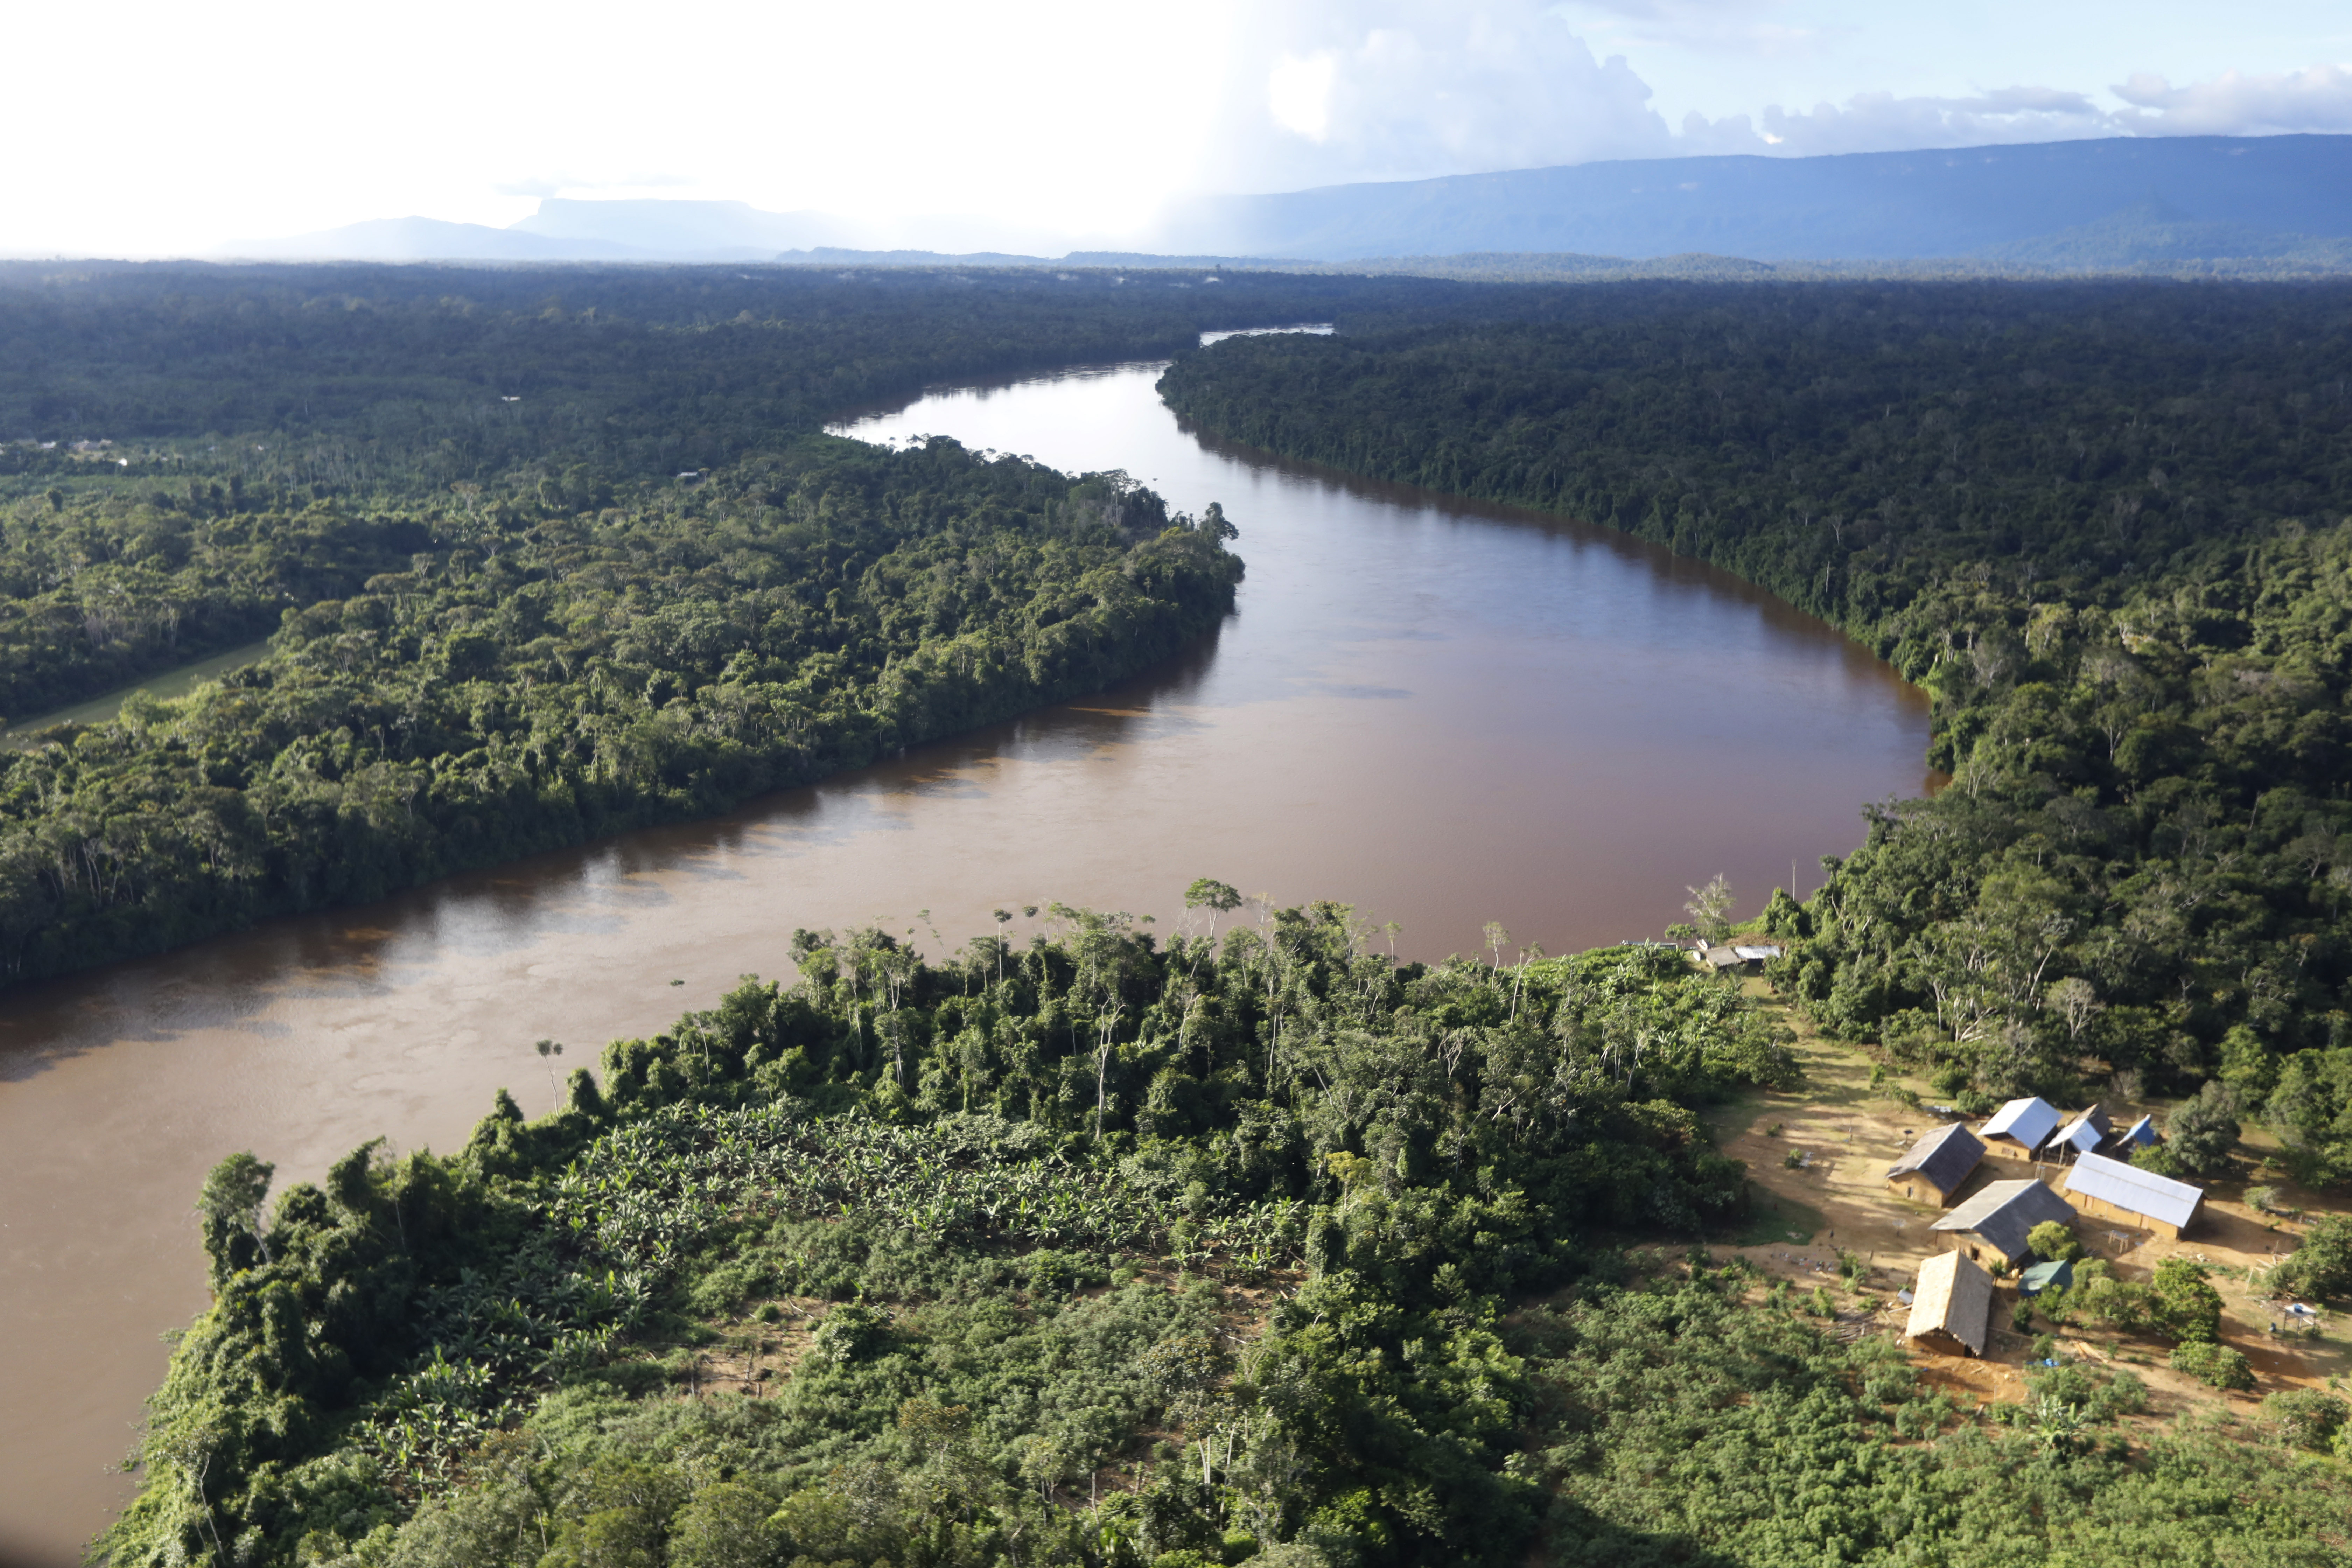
<point x="2213" y="1363"/>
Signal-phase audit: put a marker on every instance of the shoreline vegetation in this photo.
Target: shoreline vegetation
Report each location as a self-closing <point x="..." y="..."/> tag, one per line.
<point x="539" y="558"/>
<point x="1251" y="1245"/>
<point x="674" y="654"/>
<point x="2101" y="523"/>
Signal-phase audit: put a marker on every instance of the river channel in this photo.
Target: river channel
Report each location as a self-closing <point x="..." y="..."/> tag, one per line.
<point x="1444" y="713"/>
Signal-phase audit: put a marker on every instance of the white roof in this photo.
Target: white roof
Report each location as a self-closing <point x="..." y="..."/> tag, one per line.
<point x="1756" y="954"/>
<point x="2129" y="1187"/>
<point x="2028" y="1120"/>
<point x="2080" y="1135"/>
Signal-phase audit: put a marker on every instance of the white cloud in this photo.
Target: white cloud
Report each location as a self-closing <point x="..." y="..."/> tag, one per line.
<point x="1320" y="93"/>
<point x="2236" y="104"/>
<point x="574" y="185"/>
<point x="2231" y="104"/>
<point x="1037" y="119"/>
<point x="1299" y="95"/>
<point x="1879" y="122"/>
<point x="1739" y="27"/>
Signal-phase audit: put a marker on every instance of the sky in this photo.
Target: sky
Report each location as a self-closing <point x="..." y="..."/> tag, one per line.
<point x="170" y="129"/>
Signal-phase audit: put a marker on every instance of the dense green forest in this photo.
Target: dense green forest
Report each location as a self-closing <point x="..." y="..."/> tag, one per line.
<point x="541" y="554"/>
<point x="164" y="429"/>
<point x="2105" y="525"/>
<point x="582" y="672"/>
<point x="1251" y="1244"/>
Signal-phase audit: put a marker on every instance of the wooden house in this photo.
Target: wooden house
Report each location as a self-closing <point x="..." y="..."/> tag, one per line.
<point x="1998" y="1219"/>
<point x="1937" y="1166"/>
<point x="2113" y="1190"/>
<point x="1951" y="1305"/>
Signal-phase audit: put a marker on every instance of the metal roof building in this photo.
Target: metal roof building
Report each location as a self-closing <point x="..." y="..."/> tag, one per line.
<point x="2022" y="1126"/>
<point x="2002" y="1214"/>
<point x="1746" y="955"/>
<point x="2056" y="1275"/>
<point x="2140" y="1134"/>
<point x="1940" y="1162"/>
<point x="2082" y="1135"/>
<point x="2104" y="1187"/>
<point x="1951" y="1305"/>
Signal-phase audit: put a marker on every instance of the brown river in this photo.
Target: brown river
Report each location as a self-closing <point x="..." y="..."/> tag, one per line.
<point x="1440" y="713"/>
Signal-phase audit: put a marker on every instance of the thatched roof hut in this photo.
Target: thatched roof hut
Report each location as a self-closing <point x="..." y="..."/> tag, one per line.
<point x="1951" y="1305"/>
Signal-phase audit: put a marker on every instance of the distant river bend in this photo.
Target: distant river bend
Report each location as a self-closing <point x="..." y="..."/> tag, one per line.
<point x="1444" y="713"/>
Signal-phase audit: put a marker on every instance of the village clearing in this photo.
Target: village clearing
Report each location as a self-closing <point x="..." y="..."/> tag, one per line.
<point x="1844" y="1134"/>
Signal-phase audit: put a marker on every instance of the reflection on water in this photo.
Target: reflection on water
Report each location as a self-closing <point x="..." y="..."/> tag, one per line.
<point x="1444" y="713"/>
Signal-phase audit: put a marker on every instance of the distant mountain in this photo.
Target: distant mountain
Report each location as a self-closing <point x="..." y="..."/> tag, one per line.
<point x="2155" y="234"/>
<point x="423" y="239"/>
<point x="2241" y="206"/>
<point x="838" y="256"/>
<point x="564" y="230"/>
<point x="681" y="230"/>
<point x="1970" y="202"/>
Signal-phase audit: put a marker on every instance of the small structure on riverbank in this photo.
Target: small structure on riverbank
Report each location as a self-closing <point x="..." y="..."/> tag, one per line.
<point x="2114" y="1190"/>
<point x="1745" y="956"/>
<point x="1951" y="1305"/>
<point x="1939" y="1165"/>
<point x="2019" y="1128"/>
<point x="1999" y="1218"/>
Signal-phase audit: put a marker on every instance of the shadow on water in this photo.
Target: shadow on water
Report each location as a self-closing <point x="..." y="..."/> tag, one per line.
<point x="1662" y="564"/>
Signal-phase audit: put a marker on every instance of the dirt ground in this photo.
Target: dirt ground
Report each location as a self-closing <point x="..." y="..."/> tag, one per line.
<point x="1847" y="1134"/>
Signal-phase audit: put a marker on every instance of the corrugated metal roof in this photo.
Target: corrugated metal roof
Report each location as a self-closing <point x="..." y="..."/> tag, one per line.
<point x="2079" y="1135"/>
<point x="2028" y="1120"/>
<point x="2129" y="1187"/>
<point x="1945" y="1156"/>
<point x="2004" y="1212"/>
<point x="2140" y="1134"/>
<point x="2085" y="1133"/>
<point x="2057" y="1273"/>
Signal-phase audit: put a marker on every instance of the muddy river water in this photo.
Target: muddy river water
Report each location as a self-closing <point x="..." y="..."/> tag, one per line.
<point x="1442" y="713"/>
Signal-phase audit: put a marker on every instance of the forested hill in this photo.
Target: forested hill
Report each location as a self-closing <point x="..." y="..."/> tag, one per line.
<point x="542" y="555"/>
<point x="2104" y="525"/>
